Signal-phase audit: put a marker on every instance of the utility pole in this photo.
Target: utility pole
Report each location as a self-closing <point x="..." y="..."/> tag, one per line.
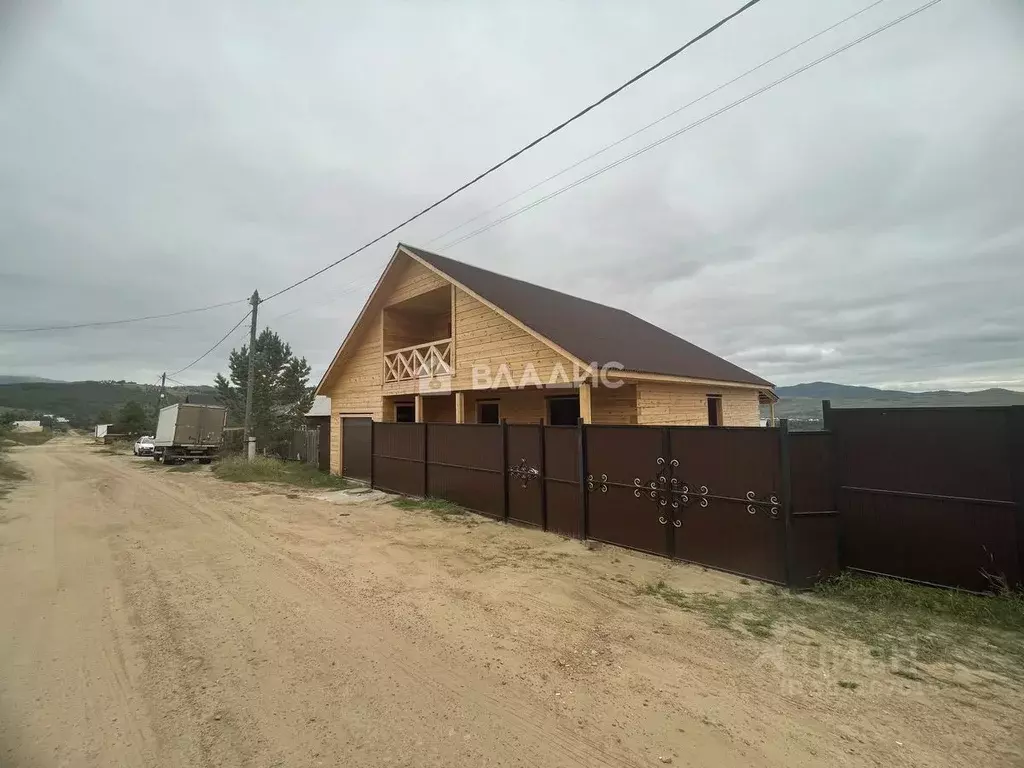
<point x="250" y="446"/>
<point x="160" y="397"/>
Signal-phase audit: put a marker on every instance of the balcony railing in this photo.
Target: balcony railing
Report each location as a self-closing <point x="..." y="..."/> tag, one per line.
<point x="422" y="361"/>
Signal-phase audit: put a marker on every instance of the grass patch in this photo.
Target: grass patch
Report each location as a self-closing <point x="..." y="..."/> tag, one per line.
<point x="29" y="438"/>
<point x="901" y="624"/>
<point x="237" y="469"/>
<point x="437" y="507"/>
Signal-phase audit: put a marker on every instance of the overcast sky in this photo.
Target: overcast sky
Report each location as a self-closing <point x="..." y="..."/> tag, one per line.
<point x="861" y="223"/>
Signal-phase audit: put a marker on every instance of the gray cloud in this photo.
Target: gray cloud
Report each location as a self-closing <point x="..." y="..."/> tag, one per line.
<point x="860" y="223"/>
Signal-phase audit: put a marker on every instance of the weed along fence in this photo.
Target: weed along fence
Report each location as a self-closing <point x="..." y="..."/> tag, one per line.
<point x="721" y="497"/>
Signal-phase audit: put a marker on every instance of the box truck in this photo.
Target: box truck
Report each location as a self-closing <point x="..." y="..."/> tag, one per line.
<point x="189" y="432"/>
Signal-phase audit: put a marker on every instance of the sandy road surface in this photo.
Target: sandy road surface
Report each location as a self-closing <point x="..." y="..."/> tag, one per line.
<point x="159" y="618"/>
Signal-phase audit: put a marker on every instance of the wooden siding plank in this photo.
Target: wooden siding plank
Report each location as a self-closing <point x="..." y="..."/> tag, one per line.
<point x="686" y="404"/>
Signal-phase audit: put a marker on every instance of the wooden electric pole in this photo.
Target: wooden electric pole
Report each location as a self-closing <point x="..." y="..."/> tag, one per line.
<point x="160" y="397"/>
<point x="255" y="301"/>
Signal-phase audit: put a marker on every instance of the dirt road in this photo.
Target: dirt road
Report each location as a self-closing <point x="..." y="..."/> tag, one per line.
<point x="162" y="618"/>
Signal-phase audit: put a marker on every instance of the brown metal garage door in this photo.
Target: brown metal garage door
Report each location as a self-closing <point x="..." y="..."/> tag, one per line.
<point x="355" y="447"/>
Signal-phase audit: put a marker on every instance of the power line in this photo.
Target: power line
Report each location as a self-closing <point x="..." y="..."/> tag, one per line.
<point x="689" y="127"/>
<point x="661" y="119"/>
<point x="102" y="323"/>
<point x="207" y="352"/>
<point x="535" y="142"/>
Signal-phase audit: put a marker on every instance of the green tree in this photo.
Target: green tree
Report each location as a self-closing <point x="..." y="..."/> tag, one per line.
<point x="281" y="392"/>
<point x="131" y="420"/>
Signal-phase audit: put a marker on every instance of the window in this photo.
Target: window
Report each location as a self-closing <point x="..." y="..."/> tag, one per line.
<point x="405" y="412"/>
<point x="488" y="412"/>
<point x="563" y="411"/>
<point x="714" y="410"/>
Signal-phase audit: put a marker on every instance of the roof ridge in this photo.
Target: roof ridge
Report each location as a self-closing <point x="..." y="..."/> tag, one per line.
<point x="588" y="329"/>
<point x="573" y="296"/>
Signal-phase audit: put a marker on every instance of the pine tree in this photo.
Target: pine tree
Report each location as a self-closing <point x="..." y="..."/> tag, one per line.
<point x="281" y="392"/>
<point x="131" y="420"/>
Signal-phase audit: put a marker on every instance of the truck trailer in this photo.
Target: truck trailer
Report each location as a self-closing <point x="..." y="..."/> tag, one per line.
<point x="189" y="432"/>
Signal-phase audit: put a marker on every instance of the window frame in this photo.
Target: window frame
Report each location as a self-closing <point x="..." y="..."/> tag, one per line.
<point x="547" y="408"/>
<point x="715" y="401"/>
<point x="491" y="401"/>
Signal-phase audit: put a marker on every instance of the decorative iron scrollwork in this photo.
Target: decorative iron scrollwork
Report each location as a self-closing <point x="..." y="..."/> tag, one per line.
<point x="523" y="472"/>
<point x="771" y="505"/>
<point x="663" y="490"/>
<point x="670" y="493"/>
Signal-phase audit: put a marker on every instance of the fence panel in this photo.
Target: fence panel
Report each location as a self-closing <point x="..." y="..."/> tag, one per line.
<point x="813" y="472"/>
<point x="561" y="473"/>
<point x="324" y="446"/>
<point x="814" y="530"/>
<point x="927" y="494"/>
<point x="399" y="463"/>
<point x="465" y="466"/>
<point x="623" y="508"/>
<point x="526" y="474"/>
<point x="732" y="518"/>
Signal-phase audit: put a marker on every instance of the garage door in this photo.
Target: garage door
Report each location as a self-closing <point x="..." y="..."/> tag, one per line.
<point x="355" y="447"/>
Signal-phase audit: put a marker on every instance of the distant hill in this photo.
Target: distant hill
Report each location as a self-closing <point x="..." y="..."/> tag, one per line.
<point x="84" y="401"/>
<point x="801" y="403"/>
<point x="26" y="379"/>
<point x="826" y="390"/>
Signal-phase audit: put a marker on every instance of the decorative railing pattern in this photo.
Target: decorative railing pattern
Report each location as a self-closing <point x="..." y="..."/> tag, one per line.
<point x="422" y="361"/>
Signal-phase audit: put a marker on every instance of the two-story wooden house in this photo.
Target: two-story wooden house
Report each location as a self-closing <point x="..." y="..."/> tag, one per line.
<point x="442" y="341"/>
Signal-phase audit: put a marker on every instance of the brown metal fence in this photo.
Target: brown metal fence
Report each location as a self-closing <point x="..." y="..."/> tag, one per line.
<point x="714" y="496"/>
<point x="931" y="494"/>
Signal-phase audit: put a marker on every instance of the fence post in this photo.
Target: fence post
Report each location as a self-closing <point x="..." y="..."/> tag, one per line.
<point x="581" y="450"/>
<point x="543" y="478"/>
<point x="828" y="422"/>
<point x="666" y="472"/>
<point x="1015" y="428"/>
<point x="426" y="463"/>
<point x="504" y="470"/>
<point x="373" y="428"/>
<point x="786" y="472"/>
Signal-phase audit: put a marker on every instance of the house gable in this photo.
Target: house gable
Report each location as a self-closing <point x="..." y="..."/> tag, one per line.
<point x="485" y="338"/>
<point x="483" y="333"/>
<point x="403" y="278"/>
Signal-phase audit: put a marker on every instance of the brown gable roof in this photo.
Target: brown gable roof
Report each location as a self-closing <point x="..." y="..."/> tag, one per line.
<point x="592" y="332"/>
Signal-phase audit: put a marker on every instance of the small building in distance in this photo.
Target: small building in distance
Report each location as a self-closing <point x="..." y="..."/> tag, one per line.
<point x="101" y="430"/>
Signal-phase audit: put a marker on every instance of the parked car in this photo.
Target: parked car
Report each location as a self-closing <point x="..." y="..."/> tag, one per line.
<point x="144" y="446"/>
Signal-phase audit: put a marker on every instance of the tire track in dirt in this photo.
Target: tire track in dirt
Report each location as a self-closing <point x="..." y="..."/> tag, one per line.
<point x="406" y="657"/>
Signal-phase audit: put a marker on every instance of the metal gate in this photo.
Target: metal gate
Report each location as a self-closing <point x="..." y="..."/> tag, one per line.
<point x="356" y="447"/>
<point x="526" y="486"/>
<point x="711" y="496"/>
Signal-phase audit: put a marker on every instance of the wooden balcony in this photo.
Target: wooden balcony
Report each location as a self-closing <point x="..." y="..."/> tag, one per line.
<point x="422" y="361"/>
